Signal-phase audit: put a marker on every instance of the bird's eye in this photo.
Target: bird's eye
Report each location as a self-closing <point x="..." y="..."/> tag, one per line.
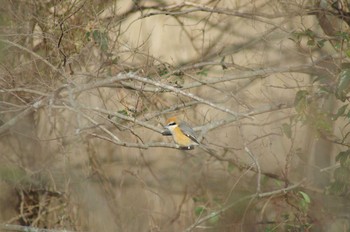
<point x="172" y="124"/>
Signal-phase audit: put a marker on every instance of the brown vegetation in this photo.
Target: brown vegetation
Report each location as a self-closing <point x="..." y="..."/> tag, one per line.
<point x="86" y="86"/>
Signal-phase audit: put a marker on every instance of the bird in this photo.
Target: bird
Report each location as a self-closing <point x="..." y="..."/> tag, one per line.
<point x="182" y="133"/>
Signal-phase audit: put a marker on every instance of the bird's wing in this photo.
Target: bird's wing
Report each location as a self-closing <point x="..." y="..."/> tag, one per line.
<point x="188" y="131"/>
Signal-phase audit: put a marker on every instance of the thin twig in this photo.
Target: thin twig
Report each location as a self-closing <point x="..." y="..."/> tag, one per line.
<point x="124" y="117"/>
<point x="11" y="227"/>
<point x="135" y="145"/>
<point x="35" y="55"/>
<point x="255" y="159"/>
<point x="7" y="125"/>
<point x="23" y="90"/>
<point x="133" y="76"/>
<point x="257" y="111"/>
<point x="95" y="123"/>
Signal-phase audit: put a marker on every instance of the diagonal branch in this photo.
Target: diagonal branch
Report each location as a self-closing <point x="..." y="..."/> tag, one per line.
<point x="133" y="76"/>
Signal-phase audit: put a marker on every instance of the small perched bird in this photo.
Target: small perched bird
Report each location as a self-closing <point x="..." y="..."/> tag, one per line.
<point x="182" y="133"/>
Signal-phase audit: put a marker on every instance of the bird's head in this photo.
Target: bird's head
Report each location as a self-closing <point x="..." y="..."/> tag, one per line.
<point x="171" y="124"/>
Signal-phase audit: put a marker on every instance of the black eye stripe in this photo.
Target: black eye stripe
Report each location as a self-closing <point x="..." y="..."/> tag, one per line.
<point x="172" y="124"/>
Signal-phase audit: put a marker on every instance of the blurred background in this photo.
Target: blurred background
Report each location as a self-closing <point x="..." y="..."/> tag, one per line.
<point x="86" y="87"/>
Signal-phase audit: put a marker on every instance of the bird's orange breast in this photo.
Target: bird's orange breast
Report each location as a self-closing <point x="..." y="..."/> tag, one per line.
<point x="181" y="139"/>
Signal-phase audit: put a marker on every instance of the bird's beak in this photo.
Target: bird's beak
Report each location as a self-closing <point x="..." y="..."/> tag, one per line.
<point x="166" y="131"/>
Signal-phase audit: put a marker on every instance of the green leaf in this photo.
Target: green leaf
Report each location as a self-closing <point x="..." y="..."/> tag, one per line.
<point x="337" y="45"/>
<point x="270" y="229"/>
<point x="123" y="112"/>
<point x="101" y="39"/>
<point x="199" y="199"/>
<point x="230" y="167"/>
<point x="347" y="52"/>
<point x="195" y="199"/>
<point x="320" y="43"/>
<point x="321" y="123"/>
<point x="343" y="84"/>
<point x="342" y="175"/>
<point x="320" y="78"/>
<point x="305" y="197"/>
<point x="343" y="156"/>
<point x="305" y="201"/>
<point x="340" y="112"/>
<point x="310" y="33"/>
<point x="163" y="71"/>
<point x="88" y="36"/>
<point x="338" y="188"/>
<point x="199" y="210"/>
<point x="300" y="101"/>
<point x="203" y="72"/>
<point x="343" y="35"/>
<point x="344" y="159"/>
<point x="325" y="90"/>
<point x="279" y="183"/>
<point x="346" y="163"/>
<point x="287" y="130"/>
<point x="311" y="42"/>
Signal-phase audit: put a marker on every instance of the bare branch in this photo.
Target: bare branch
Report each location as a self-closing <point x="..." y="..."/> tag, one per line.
<point x="179" y="91"/>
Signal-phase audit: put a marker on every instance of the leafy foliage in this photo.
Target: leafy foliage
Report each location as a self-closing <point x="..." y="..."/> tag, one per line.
<point x="343" y="87"/>
<point x="310" y="113"/>
<point x="341" y="183"/>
